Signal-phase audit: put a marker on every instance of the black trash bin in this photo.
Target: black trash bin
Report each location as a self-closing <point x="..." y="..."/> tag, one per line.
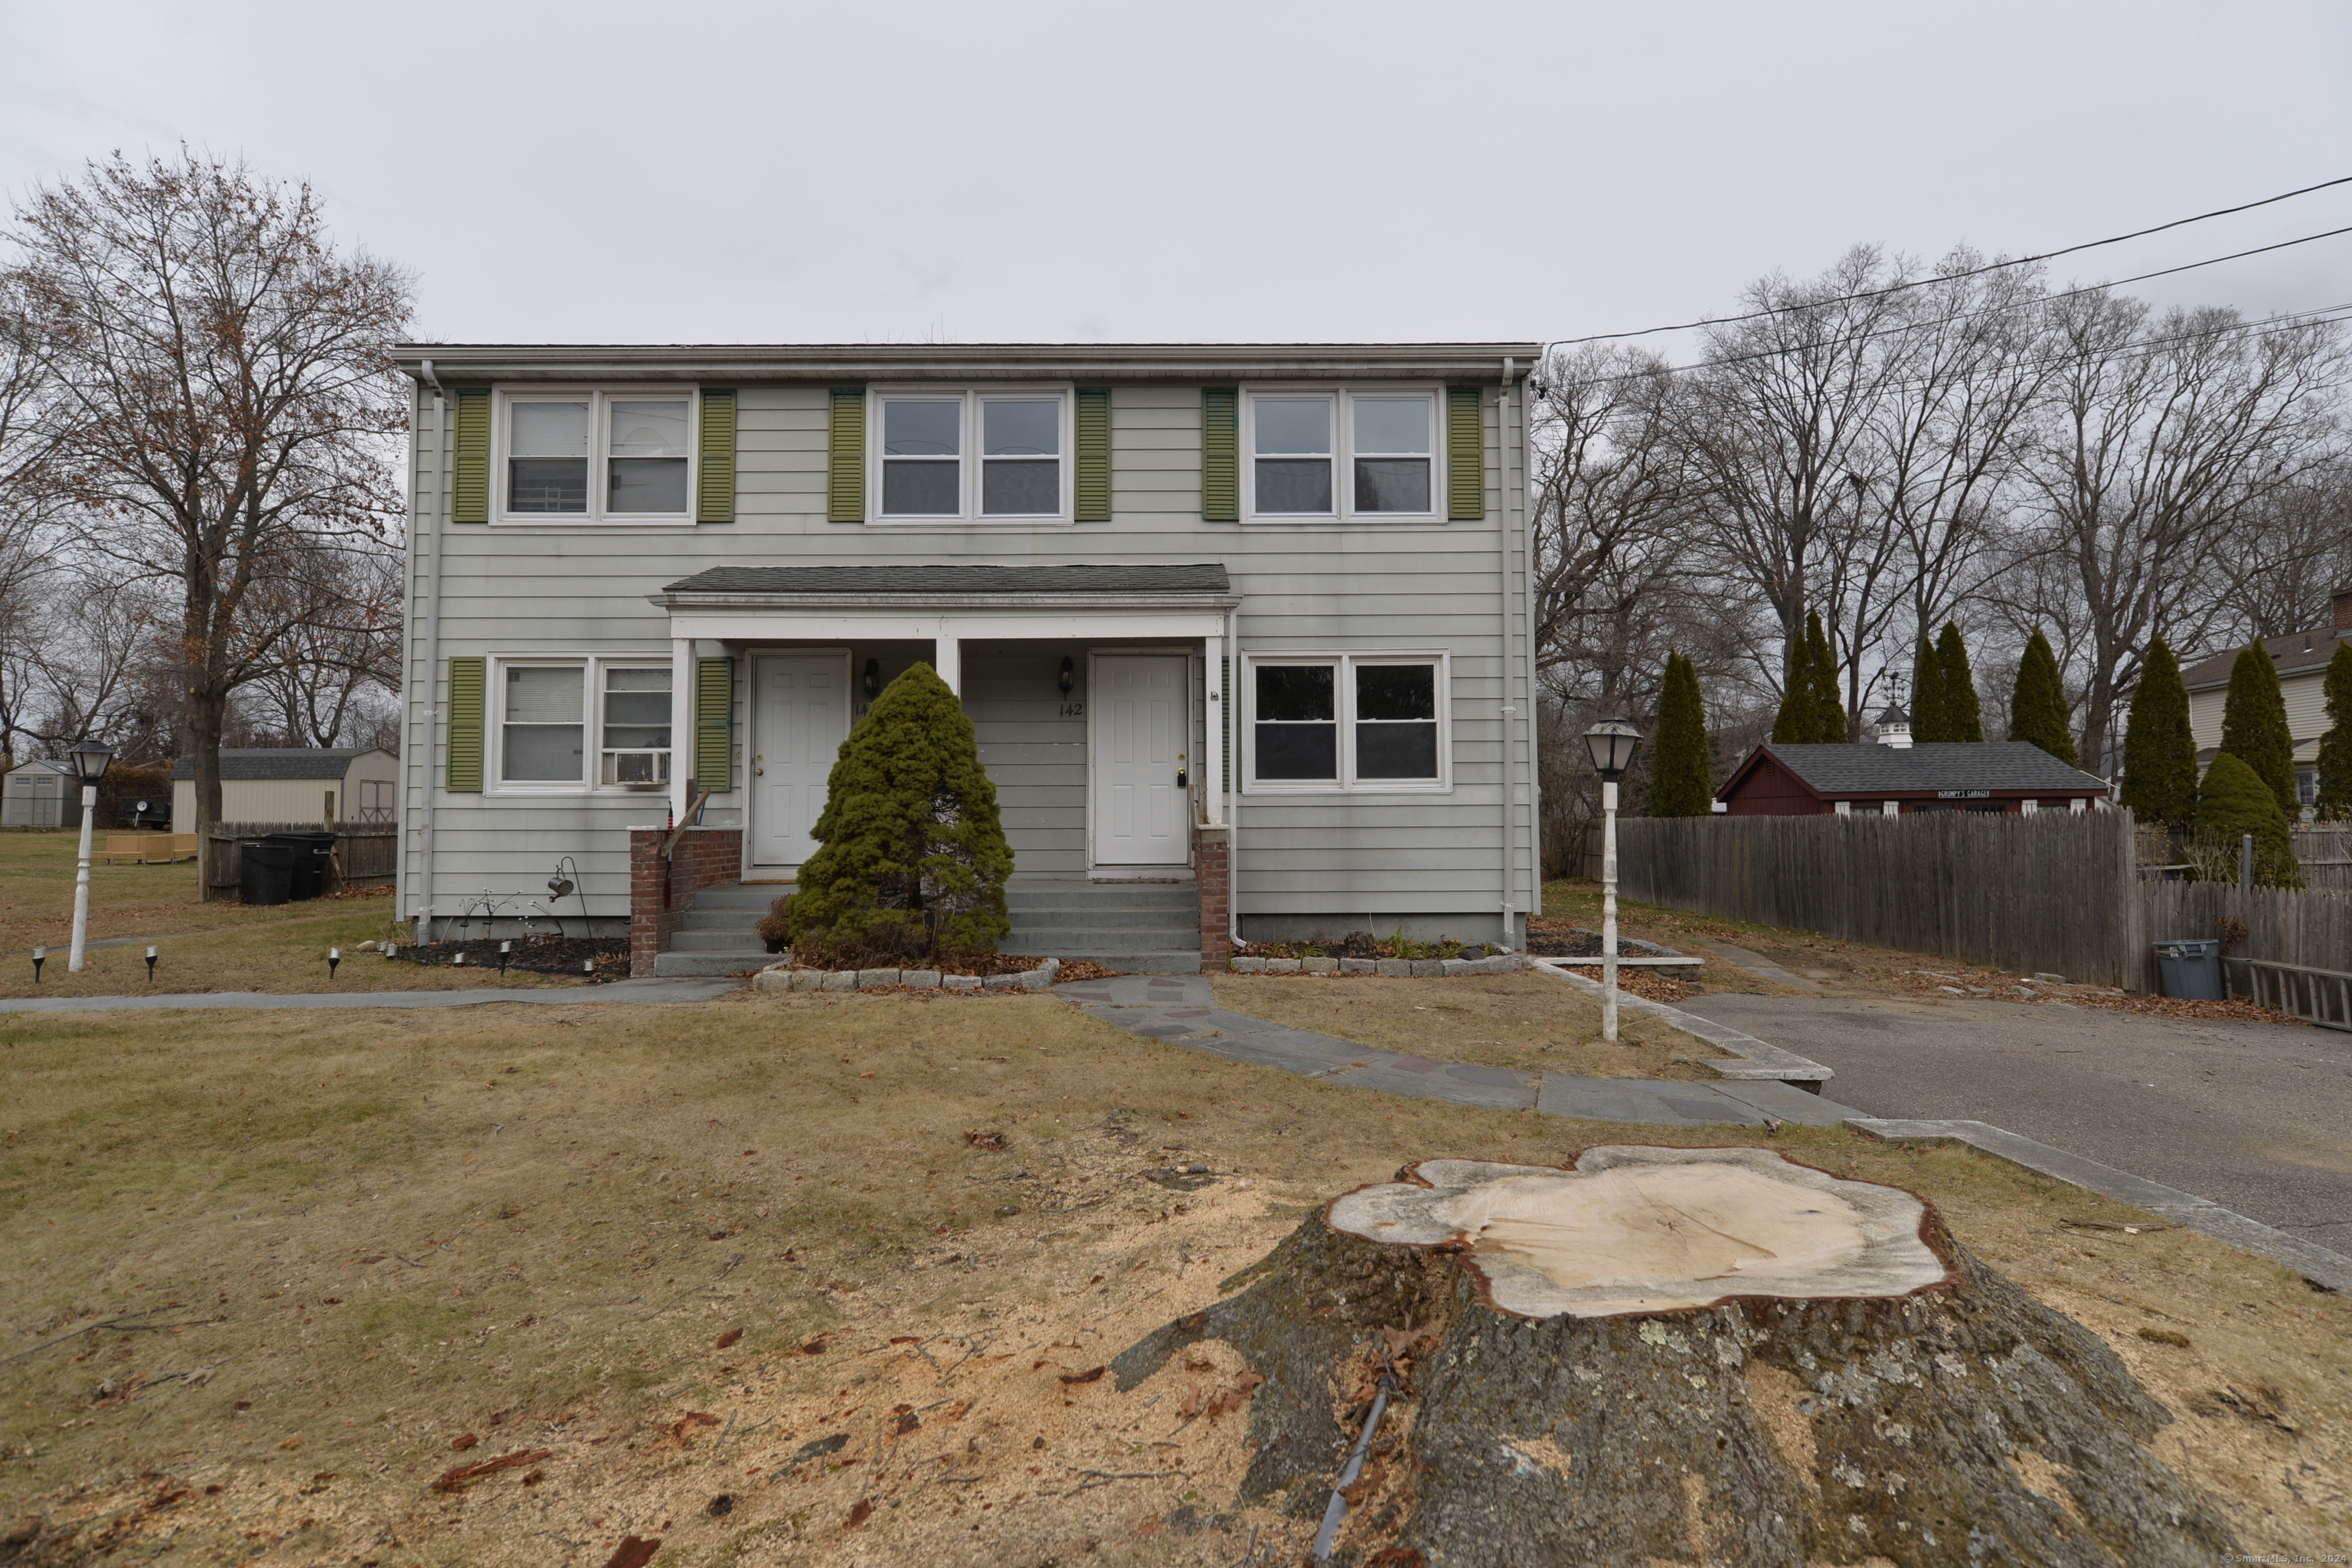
<point x="2191" y="968"/>
<point x="265" y="873"/>
<point x="313" y="862"/>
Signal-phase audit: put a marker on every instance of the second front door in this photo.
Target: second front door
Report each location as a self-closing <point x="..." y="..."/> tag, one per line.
<point x="800" y="716"/>
<point x="1140" y="788"/>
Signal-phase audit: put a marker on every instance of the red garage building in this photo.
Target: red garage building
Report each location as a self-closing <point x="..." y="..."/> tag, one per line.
<point x="2007" y="776"/>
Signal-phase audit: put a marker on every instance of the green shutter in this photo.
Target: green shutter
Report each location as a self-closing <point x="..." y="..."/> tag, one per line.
<point x="1465" y="455"/>
<point x="714" y="724"/>
<point x="466" y="679"/>
<point x="1093" y="454"/>
<point x="470" y="494"/>
<point x="715" y="496"/>
<point x="1221" y="454"/>
<point x="845" y="482"/>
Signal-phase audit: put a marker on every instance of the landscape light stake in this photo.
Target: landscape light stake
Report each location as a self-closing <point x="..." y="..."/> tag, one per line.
<point x="89" y="760"/>
<point x="505" y="953"/>
<point x="1337" y="1510"/>
<point x="1611" y="745"/>
<point x="151" y="966"/>
<point x="334" y="957"/>
<point x="457" y="960"/>
<point x="40" y="956"/>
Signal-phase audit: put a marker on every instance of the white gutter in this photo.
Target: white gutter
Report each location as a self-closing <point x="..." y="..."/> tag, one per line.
<point x="421" y="905"/>
<point x="1503" y="630"/>
<point x="1528" y="652"/>
<point x="1233" y="718"/>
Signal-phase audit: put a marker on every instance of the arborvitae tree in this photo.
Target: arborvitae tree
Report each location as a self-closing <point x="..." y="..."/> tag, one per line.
<point x="1829" y="708"/>
<point x="1682" y="775"/>
<point x="2037" y="706"/>
<point x="912" y="857"/>
<point x="2335" y="746"/>
<point x="2253" y="724"/>
<point x="2234" y="801"/>
<point x="1963" y="714"/>
<point x="1928" y="721"/>
<point x="1793" y="725"/>
<point x="2160" y="751"/>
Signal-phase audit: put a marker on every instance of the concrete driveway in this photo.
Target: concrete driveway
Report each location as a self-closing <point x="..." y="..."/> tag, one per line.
<point x="2256" y="1117"/>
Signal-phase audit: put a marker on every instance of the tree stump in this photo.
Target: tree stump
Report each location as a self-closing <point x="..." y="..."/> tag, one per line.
<point x="1683" y="1355"/>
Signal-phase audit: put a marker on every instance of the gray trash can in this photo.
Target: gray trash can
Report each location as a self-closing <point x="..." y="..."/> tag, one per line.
<point x="2191" y="969"/>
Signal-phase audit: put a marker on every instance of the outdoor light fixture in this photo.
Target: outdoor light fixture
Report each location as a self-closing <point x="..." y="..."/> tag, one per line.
<point x="1069" y="676"/>
<point x="1610" y="744"/>
<point x="559" y="886"/>
<point x="334" y="957"/>
<point x="457" y="960"/>
<point x="90" y="760"/>
<point x="151" y="966"/>
<point x="506" y="954"/>
<point x="40" y="956"/>
<point x="872" y="679"/>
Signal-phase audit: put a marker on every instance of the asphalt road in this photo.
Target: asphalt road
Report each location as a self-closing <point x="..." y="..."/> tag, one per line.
<point x="2256" y="1117"/>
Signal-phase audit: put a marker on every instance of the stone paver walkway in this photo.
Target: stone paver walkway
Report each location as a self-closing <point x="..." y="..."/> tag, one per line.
<point x="618" y="991"/>
<point x="1183" y="1011"/>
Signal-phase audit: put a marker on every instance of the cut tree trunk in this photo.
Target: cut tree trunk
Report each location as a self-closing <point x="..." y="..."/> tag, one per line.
<point x="1683" y="1355"/>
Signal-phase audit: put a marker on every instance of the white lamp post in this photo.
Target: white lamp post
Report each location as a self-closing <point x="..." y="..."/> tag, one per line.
<point x="89" y="760"/>
<point x="1611" y="745"/>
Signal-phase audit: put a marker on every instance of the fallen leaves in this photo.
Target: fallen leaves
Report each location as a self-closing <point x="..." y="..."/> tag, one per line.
<point x="460" y="1444"/>
<point x="729" y="1338"/>
<point x="986" y="1140"/>
<point x="859" y="1514"/>
<point x="1213" y="1402"/>
<point x="632" y="1553"/>
<point x="458" y="1478"/>
<point x="682" y="1429"/>
<point x="1091" y="1374"/>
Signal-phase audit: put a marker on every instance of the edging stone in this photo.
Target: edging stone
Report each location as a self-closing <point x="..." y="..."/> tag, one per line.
<point x="1407" y="968"/>
<point x="778" y="978"/>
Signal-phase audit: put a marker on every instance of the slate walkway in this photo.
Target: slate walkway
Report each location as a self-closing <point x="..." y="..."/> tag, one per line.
<point x="1183" y="1011"/>
<point x="618" y="991"/>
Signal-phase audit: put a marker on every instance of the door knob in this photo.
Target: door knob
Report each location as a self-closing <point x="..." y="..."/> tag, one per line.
<point x="759" y="772"/>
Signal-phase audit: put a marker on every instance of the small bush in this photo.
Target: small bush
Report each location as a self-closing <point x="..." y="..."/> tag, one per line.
<point x="2231" y="802"/>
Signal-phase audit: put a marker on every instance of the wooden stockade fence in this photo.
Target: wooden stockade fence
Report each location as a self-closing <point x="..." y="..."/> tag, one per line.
<point x="2053" y="892"/>
<point x="365" y="852"/>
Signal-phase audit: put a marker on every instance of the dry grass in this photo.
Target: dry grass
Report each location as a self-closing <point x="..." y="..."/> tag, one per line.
<point x="1531" y="1023"/>
<point x="281" y="948"/>
<point x="348" y="1242"/>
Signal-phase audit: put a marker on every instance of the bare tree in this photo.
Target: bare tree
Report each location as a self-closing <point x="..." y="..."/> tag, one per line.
<point x="26" y="446"/>
<point x="335" y="670"/>
<point x="2291" y="553"/>
<point x="227" y="399"/>
<point x="2158" y="437"/>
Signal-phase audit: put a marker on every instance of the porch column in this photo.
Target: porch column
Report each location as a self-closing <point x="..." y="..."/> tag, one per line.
<point x="947" y="657"/>
<point x="681" y="721"/>
<point x="1212" y="758"/>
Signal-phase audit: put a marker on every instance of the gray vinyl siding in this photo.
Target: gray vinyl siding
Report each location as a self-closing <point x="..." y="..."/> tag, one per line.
<point x="1434" y="860"/>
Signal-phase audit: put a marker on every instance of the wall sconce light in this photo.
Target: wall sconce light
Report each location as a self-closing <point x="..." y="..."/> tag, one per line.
<point x="1068" y="677"/>
<point x="872" y="679"/>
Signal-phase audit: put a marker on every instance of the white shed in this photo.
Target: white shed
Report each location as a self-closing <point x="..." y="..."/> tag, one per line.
<point x="294" y="784"/>
<point x="41" y="795"/>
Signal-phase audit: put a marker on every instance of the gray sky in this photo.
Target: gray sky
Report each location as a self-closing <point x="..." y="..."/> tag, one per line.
<point x="1271" y="171"/>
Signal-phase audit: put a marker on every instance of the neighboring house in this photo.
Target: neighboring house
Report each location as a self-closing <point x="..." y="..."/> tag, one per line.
<point x="295" y="784"/>
<point x="2302" y="660"/>
<point x="1896" y="778"/>
<point x="1246" y="610"/>
<point x="41" y="795"/>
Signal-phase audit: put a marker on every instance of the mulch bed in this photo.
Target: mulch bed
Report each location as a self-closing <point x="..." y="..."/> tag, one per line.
<point x="535" y="955"/>
<point x="1363" y="944"/>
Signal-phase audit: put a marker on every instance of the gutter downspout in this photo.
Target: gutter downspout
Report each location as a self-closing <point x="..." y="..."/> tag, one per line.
<point x="1528" y="648"/>
<point x="1232" y="719"/>
<point x="1503" y="663"/>
<point x="420" y="930"/>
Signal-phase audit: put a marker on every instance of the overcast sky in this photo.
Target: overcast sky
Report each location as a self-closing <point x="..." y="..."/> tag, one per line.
<point x="1097" y="172"/>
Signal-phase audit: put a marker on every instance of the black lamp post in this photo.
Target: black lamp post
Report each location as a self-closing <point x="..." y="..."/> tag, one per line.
<point x="90" y="760"/>
<point x="1610" y="744"/>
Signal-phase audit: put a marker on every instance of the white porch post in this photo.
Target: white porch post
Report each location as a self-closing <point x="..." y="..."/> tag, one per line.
<point x="681" y="721"/>
<point x="1212" y="761"/>
<point x="947" y="657"/>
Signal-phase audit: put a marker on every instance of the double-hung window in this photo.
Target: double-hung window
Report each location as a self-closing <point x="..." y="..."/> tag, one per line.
<point x="948" y="456"/>
<point x="1348" y="721"/>
<point x="590" y="456"/>
<point x="1342" y="455"/>
<point x="549" y="708"/>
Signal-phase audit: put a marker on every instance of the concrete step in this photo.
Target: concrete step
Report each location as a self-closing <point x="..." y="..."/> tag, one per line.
<point x="700" y="919"/>
<point x="739" y="896"/>
<point x="699" y="963"/>
<point x="1099" y="896"/>
<point x="1177" y="920"/>
<point x="1089" y="943"/>
<point x="716" y="942"/>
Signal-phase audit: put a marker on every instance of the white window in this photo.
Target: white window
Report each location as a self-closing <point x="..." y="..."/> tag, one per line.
<point x="1347" y="721"/>
<point x="1336" y="455"/>
<point x="954" y="456"/>
<point x="590" y="456"/>
<point x="548" y="710"/>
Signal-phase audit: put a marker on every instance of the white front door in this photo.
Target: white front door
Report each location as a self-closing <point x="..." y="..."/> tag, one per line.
<point x="799" y="714"/>
<point x="1141" y="812"/>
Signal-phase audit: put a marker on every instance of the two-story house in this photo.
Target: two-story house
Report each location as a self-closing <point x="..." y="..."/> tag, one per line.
<point x="2302" y="658"/>
<point x="1244" y="630"/>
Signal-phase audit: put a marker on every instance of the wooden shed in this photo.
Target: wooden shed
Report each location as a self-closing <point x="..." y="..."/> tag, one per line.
<point x="2007" y="776"/>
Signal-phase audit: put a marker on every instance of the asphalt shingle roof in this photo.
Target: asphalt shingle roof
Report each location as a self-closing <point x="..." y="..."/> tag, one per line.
<point x="278" y="763"/>
<point x="2289" y="653"/>
<point x="1936" y="765"/>
<point x="1203" y="578"/>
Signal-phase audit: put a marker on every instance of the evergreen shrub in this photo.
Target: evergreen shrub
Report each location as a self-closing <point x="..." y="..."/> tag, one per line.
<point x="2037" y="705"/>
<point x="2160" y="751"/>
<point x="2232" y="802"/>
<point x="2253" y="724"/>
<point x="1682" y="777"/>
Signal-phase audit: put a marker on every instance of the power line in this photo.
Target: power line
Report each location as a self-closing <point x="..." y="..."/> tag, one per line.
<point x="1989" y="267"/>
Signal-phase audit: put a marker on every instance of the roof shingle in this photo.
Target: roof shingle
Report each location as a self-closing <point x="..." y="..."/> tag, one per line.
<point x="1933" y="765"/>
<point x="278" y="763"/>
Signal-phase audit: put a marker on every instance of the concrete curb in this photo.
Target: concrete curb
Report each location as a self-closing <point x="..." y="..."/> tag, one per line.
<point x="2315" y="1263"/>
<point x="1759" y="1060"/>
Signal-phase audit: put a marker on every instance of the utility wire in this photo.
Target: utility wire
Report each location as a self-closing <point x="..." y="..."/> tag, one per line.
<point x="1993" y="266"/>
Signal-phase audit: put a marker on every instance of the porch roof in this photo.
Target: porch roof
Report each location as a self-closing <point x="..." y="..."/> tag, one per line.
<point x="1201" y="583"/>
